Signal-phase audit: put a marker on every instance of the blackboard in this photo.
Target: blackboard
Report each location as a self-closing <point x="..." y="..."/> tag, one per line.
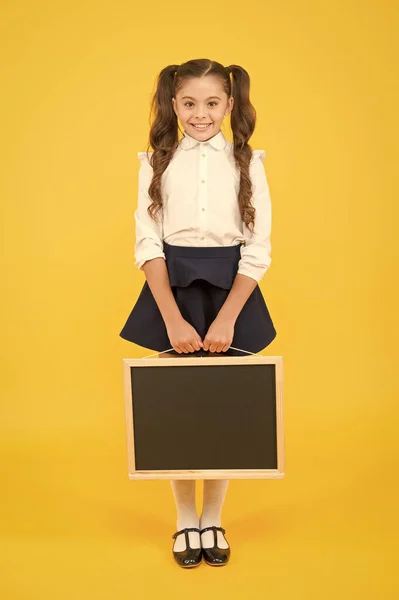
<point x="204" y="417"/>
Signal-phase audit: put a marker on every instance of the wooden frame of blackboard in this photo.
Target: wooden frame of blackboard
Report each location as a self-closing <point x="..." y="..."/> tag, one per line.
<point x="178" y="362"/>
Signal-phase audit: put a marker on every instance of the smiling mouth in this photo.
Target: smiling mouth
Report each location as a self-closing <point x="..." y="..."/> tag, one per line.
<point x="202" y="126"/>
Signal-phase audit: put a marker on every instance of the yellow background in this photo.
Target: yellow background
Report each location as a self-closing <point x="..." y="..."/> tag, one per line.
<point x="77" y="81"/>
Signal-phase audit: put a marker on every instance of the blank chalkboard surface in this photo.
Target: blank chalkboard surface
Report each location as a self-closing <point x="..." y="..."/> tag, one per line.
<point x="204" y="417"/>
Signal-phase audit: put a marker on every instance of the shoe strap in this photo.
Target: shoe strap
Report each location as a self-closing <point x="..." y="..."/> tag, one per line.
<point x="214" y="528"/>
<point x="186" y="529"/>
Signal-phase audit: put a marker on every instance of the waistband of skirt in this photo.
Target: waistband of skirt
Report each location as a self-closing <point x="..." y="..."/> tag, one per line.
<point x="202" y="251"/>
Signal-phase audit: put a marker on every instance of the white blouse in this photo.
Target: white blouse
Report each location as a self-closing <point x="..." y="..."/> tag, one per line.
<point x="200" y="204"/>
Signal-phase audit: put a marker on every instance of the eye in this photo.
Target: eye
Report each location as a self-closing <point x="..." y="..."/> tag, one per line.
<point x="212" y="102"/>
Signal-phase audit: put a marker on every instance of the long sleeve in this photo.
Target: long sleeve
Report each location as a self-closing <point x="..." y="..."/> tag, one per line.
<point x="149" y="234"/>
<point x="255" y="254"/>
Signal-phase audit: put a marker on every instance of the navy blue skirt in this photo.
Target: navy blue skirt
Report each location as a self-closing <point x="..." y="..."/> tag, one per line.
<point x="201" y="279"/>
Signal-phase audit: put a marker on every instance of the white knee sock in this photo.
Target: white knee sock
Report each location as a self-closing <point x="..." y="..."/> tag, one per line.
<point x="184" y="494"/>
<point x="214" y="495"/>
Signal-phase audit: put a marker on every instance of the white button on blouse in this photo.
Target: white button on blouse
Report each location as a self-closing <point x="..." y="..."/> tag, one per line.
<point x="200" y="205"/>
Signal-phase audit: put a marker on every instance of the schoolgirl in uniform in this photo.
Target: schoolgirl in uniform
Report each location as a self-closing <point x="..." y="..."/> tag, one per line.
<point x="203" y="226"/>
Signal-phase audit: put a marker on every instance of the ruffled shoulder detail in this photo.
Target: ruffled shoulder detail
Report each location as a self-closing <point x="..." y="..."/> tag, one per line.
<point x="259" y="153"/>
<point x="144" y="157"/>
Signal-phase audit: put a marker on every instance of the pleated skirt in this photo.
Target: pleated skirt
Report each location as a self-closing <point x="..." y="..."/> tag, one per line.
<point x="201" y="279"/>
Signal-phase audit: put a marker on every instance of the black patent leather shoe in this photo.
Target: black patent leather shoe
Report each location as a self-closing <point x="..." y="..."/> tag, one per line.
<point x="190" y="557"/>
<point x="215" y="556"/>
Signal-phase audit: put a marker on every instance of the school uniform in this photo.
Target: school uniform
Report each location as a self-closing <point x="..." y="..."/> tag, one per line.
<point x="204" y="242"/>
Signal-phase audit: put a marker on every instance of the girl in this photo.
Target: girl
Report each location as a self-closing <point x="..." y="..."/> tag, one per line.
<point x="203" y="227"/>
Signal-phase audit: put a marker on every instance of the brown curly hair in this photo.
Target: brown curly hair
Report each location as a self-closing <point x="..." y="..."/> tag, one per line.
<point x="163" y="136"/>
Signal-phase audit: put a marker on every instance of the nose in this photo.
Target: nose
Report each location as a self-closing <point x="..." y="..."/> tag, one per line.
<point x="200" y="113"/>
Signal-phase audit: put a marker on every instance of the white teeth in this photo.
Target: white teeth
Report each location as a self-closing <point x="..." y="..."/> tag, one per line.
<point x="201" y="126"/>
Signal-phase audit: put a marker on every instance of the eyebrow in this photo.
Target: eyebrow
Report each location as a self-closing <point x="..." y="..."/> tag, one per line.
<point x="191" y="98"/>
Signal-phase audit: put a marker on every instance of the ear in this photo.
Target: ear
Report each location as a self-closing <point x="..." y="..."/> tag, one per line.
<point x="174" y="105"/>
<point x="229" y="105"/>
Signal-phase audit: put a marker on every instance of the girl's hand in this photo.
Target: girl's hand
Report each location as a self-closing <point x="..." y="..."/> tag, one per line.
<point x="219" y="336"/>
<point x="183" y="337"/>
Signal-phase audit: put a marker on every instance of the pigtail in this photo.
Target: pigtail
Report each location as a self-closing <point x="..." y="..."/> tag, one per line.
<point x="243" y="121"/>
<point x="163" y="135"/>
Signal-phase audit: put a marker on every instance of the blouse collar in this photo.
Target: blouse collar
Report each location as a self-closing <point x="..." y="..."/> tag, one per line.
<point x="218" y="141"/>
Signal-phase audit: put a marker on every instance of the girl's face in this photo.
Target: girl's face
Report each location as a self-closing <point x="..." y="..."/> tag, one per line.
<point x="202" y="101"/>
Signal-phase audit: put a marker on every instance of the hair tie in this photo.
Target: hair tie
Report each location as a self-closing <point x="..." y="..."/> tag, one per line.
<point x="228" y="70"/>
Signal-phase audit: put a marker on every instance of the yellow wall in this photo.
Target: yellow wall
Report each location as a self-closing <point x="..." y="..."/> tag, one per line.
<point x="77" y="80"/>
